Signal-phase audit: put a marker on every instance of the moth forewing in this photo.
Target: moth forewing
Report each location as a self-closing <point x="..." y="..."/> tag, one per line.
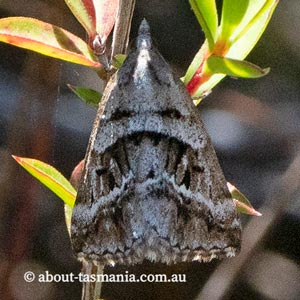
<point x="152" y="187"/>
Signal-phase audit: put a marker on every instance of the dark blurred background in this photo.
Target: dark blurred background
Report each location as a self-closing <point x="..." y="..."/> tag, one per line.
<point x="254" y="125"/>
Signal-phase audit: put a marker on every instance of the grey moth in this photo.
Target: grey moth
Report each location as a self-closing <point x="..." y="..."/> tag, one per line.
<point x="152" y="187"/>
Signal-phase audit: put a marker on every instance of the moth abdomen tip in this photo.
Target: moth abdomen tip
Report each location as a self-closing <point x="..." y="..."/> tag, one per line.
<point x="144" y="38"/>
<point x="144" y="27"/>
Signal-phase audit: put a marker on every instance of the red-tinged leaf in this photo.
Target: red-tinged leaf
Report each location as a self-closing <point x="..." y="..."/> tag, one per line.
<point x="50" y="177"/>
<point x="198" y="84"/>
<point x="68" y="217"/>
<point x="199" y="81"/>
<point x="245" y="209"/>
<point x="46" y="39"/>
<point x="233" y="67"/>
<point x="242" y="203"/>
<point x="84" y="12"/>
<point x="198" y="61"/>
<point x="241" y="27"/>
<point x="76" y="174"/>
<point x="106" y="11"/>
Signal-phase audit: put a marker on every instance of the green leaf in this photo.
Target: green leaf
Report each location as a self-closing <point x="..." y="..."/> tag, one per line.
<point x="245" y="209"/>
<point x="206" y="13"/>
<point x="207" y="86"/>
<point x="242" y="203"/>
<point x="237" y="46"/>
<point x="233" y="12"/>
<point x="200" y="86"/>
<point x="251" y="28"/>
<point x="198" y="60"/>
<point x="232" y="67"/>
<point x="46" y="39"/>
<point x="89" y="96"/>
<point x="118" y="60"/>
<point x="68" y="217"/>
<point x="84" y="12"/>
<point x="50" y="177"/>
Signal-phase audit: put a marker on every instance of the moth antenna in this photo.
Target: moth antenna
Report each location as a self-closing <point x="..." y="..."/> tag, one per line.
<point x="144" y="40"/>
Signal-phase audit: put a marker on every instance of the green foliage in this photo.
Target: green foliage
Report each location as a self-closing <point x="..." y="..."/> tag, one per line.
<point x="243" y="205"/>
<point x="50" y="177"/>
<point x="223" y="52"/>
<point x="89" y="96"/>
<point x="206" y="13"/>
<point x="118" y="60"/>
<point x="242" y="24"/>
<point x="96" y="16"/>
<point x="58" y="184"/>
<point x="46" y="39"/>
<point x="233" y="67"/>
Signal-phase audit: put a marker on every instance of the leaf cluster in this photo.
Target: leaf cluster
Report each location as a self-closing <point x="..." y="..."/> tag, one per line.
<point x="227" y="43"/>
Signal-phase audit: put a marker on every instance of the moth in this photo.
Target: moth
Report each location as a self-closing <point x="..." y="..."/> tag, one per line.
<point x="152" y="187"/>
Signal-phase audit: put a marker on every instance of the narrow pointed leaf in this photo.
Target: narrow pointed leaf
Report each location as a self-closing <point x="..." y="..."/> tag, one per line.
<point x="106" y="11"/>
<point x="233" y="67"/>
<point x="76" y="174"/>
<point x="242" y="203"/>
<point x="206" y="87"/>
<point x="206" y="13"/>
<point x="46" y="39"/>
<point x="84" y="12"/>
<point x="197" y="62"/>
<point x="251" y="28"/>
<point x="50" y="177"/>
<point x="68" y="217"/>
<point x="197" y="84"/>
<point x="237" y="46"/>
<point x="245" y="209"/>
<point x="214" y="69"/>
<point x="89" y="96"/>
<point x="118" y="60"/>
<point x="233" y="12"/>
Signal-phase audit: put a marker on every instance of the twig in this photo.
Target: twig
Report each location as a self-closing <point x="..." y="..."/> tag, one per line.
<point x="92" y="290"/>
<point x="122" y="27"/>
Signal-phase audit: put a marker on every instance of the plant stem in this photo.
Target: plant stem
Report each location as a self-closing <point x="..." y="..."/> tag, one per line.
<point x="122" y="27"/>
<point x="91" y="290"/>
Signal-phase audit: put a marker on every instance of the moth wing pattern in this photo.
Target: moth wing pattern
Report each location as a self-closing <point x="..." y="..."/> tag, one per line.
<point x="152" y="187"/>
